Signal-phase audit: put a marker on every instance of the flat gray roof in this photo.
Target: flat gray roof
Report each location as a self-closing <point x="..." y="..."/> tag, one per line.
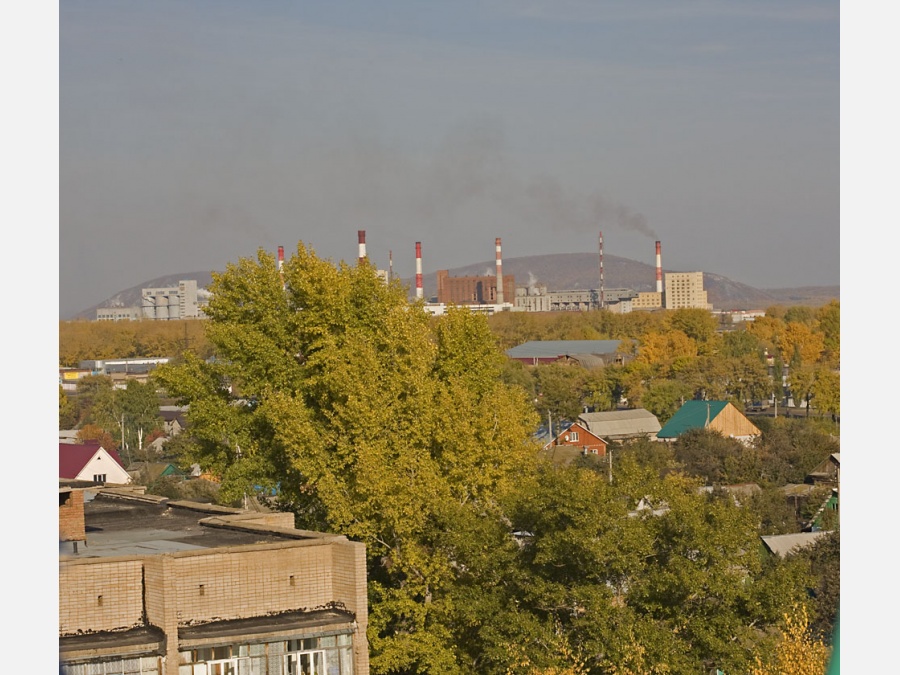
<point x="116" y="526"/>
<point x="553" y="348"/>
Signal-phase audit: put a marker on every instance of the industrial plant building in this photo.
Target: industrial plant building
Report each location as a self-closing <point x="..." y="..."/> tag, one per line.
<point x="166" y="304"/>
<point x="539" y="299"/>
<point x="184" y="301"/>
<point x="153" y="586"/>
<point x="472" y="290"/>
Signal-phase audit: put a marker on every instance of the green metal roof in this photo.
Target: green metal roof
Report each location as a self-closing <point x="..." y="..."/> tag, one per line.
<point x="692" y="415"/>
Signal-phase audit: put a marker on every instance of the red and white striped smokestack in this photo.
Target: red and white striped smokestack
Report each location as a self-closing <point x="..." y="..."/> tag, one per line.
<point x="420" y="292"/>
<point x="601" y="298"/>
<point x="659" y="285"/>
<point x="362" y="245"/>
<point x="499" y="272"/>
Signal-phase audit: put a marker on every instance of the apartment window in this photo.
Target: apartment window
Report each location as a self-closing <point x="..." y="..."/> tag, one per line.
<point x="305" y="663"/>
<point x="327" y="655"/>
<point x="143" y="665"/>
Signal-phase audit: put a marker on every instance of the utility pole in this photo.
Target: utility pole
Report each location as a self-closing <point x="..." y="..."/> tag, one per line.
<point x="609" y="450"/>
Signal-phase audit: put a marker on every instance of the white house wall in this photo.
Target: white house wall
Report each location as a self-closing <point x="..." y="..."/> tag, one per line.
<point x="103" y="463"/>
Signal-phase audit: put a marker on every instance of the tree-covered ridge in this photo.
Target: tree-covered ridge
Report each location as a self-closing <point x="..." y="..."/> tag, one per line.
<point x="412" y="434"/>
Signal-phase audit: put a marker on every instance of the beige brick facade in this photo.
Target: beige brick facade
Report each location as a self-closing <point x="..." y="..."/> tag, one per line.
<point x="294" y="572"/>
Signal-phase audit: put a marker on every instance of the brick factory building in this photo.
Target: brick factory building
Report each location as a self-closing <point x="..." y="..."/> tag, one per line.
<point x="473" y="290"/>
<point x="153" y="586"/>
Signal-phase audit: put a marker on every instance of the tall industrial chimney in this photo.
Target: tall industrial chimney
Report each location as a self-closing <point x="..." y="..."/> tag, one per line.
<point x="602" y="299"/>
<point x="390" y="266"/>
<point x="659" y="284"/>
<point x="420" y="293"/>
<point x="499" y="272"/>
<point x="362" y="246"/>
<point x="281" y="263"/>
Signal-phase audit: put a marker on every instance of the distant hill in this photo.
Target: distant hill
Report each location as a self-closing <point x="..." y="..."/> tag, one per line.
<point x="558" y="271"/>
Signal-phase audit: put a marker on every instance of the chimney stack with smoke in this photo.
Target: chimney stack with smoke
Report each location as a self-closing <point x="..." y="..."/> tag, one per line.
<point x="601" y="298"/>
<point x="362" y="246"/>
<point x="420" y="293"/>
<point x="499" y="272"/>
<point x="659" y="284"/>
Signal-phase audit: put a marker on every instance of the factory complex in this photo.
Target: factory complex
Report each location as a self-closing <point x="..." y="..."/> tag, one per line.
<point x="488" y="293"/>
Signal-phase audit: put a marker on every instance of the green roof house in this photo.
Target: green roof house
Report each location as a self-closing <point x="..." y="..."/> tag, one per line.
<point x="720" y="416"/>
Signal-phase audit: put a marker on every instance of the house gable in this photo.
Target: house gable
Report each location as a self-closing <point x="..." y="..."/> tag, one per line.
<point x="720" y="416"/>
<point x="579" y="436"/>
<point x="91" y="462"/>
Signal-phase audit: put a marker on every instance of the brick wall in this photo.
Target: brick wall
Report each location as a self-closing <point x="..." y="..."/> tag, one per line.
<point x="71" y="516"/>
<point x="100" y="596"/>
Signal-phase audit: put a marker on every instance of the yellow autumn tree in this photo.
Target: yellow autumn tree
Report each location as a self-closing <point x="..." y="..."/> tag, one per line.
<point x="800" y="339"/>
<point x="797" y="652"/>
<point x="664" y="348"/>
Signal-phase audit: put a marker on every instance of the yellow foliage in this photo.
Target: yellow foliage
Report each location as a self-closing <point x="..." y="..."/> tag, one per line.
<point x="800" y="338"/>
<point x="664" y="348"/>
<point x="797" y="653"/>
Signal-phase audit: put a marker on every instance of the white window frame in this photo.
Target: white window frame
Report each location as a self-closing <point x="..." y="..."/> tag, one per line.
<point x="292" y="662"/>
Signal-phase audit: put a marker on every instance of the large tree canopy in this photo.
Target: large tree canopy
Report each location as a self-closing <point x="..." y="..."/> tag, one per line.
<point x="370" y="418"/>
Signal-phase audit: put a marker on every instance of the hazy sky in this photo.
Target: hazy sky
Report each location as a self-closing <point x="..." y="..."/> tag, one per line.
<point x="193" y="133"/>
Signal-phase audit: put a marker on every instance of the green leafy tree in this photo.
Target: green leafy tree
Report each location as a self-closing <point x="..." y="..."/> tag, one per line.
<point x="370" y="422"/>
<point x="600" y="388"/>
<point x="790" y="448"/>
<point x="664" y="397"/>
<point x="90" y="390"/>
<point x="802" y="380"/>
<point x="824" y="558"/>
<point x="67" y="412"/>
<point x="773" y="511"/>
<point x="559" y="390"/>
<point x="139" y="411"/>
<point x="827" y="391"/>
<point x="829" y="318"/>
<point x="739" y="343"/>
<point x="708" y="455"/>
<point x="697" y="324"/>
<point x="747" y="379"/>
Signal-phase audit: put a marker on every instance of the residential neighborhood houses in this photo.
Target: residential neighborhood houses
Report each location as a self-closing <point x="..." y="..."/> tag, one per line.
<point x="297" y="599"/>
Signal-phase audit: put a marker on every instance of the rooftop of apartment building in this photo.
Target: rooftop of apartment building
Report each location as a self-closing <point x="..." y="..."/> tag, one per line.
<point x="124" y="522"/>
<point x="162" y="585"/>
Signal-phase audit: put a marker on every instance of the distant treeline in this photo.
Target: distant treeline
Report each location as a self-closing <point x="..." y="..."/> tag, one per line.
<point x="99" y="340"/>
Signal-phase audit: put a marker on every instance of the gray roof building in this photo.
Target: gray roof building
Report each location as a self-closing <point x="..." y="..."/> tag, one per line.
<point x="549" y="351"/>
<point x="785" y="544"/>
<point x="618" y="425"/>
